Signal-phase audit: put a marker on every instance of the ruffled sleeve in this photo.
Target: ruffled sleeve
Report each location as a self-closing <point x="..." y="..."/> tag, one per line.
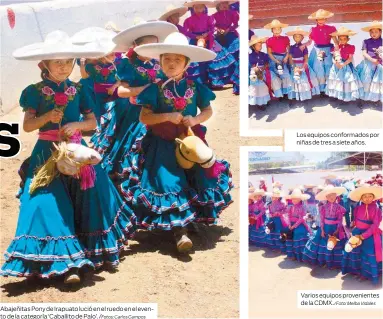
<point x="87" y="104"/>
<point x="30" y="99"/>
<point x="204" y="95"/>
<point x="305" y="52"/>
<point x="364" y="45"/>
<point x="187" y="27"/>
<point x="351" y="49"/>
<point x="148" y="98"/>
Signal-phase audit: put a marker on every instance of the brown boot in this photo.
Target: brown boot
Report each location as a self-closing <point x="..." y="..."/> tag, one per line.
<point x="184" y="244"/>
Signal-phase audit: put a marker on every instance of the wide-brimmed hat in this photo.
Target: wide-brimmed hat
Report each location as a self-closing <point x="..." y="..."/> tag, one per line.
<point x="275" y="24"/>
<point x="276" y="193"/>
<point x="356" y="194"/>
<point x="170" y="10"/>
<point x="320" y="14"/>
<point x="343" y="31"/>
<point x="298" y="30"/>
<point x="217" y="2"/>
<point x="330" y="189"/>
<point x="254" y="39"/>
<point x="100" y="37"/>
<point x="58" y="45"/>
<point x="277" y="184"/>
<point x="297" y="194"/>
<point x="160" y="29"/>
<point x="373" y="25"/>
<point x="190" y="4"/>
<point x="320" y="187"/>
<point x="259" y="191"/>
<point x="307" y="186"/>
<point x="176" y="43"/>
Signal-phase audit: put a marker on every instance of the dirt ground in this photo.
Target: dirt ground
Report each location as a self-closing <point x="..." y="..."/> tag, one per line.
<point x="205" y="284"/>
<point x="278" y="296"/>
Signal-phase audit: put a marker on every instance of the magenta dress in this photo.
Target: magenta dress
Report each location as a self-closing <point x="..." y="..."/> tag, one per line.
<point x="257" y="215"/>
<point x="228" y="20"/>
<point x="215" y="73"/>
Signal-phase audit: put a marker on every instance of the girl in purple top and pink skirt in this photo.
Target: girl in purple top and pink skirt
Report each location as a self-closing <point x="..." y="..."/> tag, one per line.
<point x="364" y="257"/>
<point x="331" y="214"/>
<point x="305" y="82"/>
<point x="343" y="82"/>
<point x="370" y="70"/>
<point x="200" y="27"/>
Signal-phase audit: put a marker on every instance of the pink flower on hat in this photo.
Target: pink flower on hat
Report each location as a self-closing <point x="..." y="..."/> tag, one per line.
<point x="47" y="91"/>
<point x="71" y="91"/>
<point x="61" y="99"/>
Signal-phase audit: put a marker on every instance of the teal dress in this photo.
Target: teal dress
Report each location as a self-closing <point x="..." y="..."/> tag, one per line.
<point x="61" y="226"/>
<point x="163" y="194"/>
<point x="121" y="129"/>
<point x="102" y="76"/>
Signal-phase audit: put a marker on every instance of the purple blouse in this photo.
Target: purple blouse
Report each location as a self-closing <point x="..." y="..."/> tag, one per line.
<point x="227" y="19"/>
<point x="331" y="210"/>
<point x="276" y="208"/>
<point x="260" y="58"/>
<point x="296" y="52"/>
<point x="372" y="214"/>
<point x="370" y="44"/>
<point x="296" y="214"/>
<point x="197" y="24"/>
<point x="183" y="30"/>
<point x="259" y="207"/>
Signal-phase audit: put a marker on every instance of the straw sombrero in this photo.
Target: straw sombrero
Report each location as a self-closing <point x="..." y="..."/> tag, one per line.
<point x="275" y="24"/>
<point x="160" y="29"/>
<point x="373" y="25"/>
<point x="254" y="39"/>
<point x="190" y="4"/>
<point x="276" y="193"/>
<point x="297" y="194"/>
<point x="356" y="194"/>
<point x="320" y="187"/>
<point x="217" y="2"/>
<point x="58" y="45"/>
<point x="330" y="189"/>
<point x="176" y="43"/>
<point x="321" y="14"/>
<point x="259" y="191"/>
<point x="170" y="10"/>
<point x="309" y="186"/>
<point x="298" y="30"/>
<point x="277" y="184"/>
<point x="343" y="31"/>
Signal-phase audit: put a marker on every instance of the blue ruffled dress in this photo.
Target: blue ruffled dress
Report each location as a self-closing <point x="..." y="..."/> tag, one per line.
<point x="61" y="226"/>
<point x="163" y="194"/>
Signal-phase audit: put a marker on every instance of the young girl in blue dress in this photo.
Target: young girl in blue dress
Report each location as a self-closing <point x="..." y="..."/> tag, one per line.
<point x="257" y="217"/>
<point x="365" y="260"/>
<point x="343" y="82"/>
<point x="331" y="215"/>
<point x="305" y="84"/>
<point x="164" y="195"/>
<point x="121" y="128"/>
<point x="370" y="70"/>
<point x="298" y="225"/>
<point x="63" y="226"/>
<point x="277" y="210"/>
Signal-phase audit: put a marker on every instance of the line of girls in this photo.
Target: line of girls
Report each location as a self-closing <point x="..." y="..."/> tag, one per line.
<point x="69" y="222"/>
<point x="287" y="226"/>
<point x="289" y="71"/>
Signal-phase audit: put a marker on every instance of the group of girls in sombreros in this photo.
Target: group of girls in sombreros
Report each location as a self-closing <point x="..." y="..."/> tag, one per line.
<point x="71" y="214"/>
<point x="284" y="226"/>
<point x="215" y="32"/>
<point x="327" y="70"/>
